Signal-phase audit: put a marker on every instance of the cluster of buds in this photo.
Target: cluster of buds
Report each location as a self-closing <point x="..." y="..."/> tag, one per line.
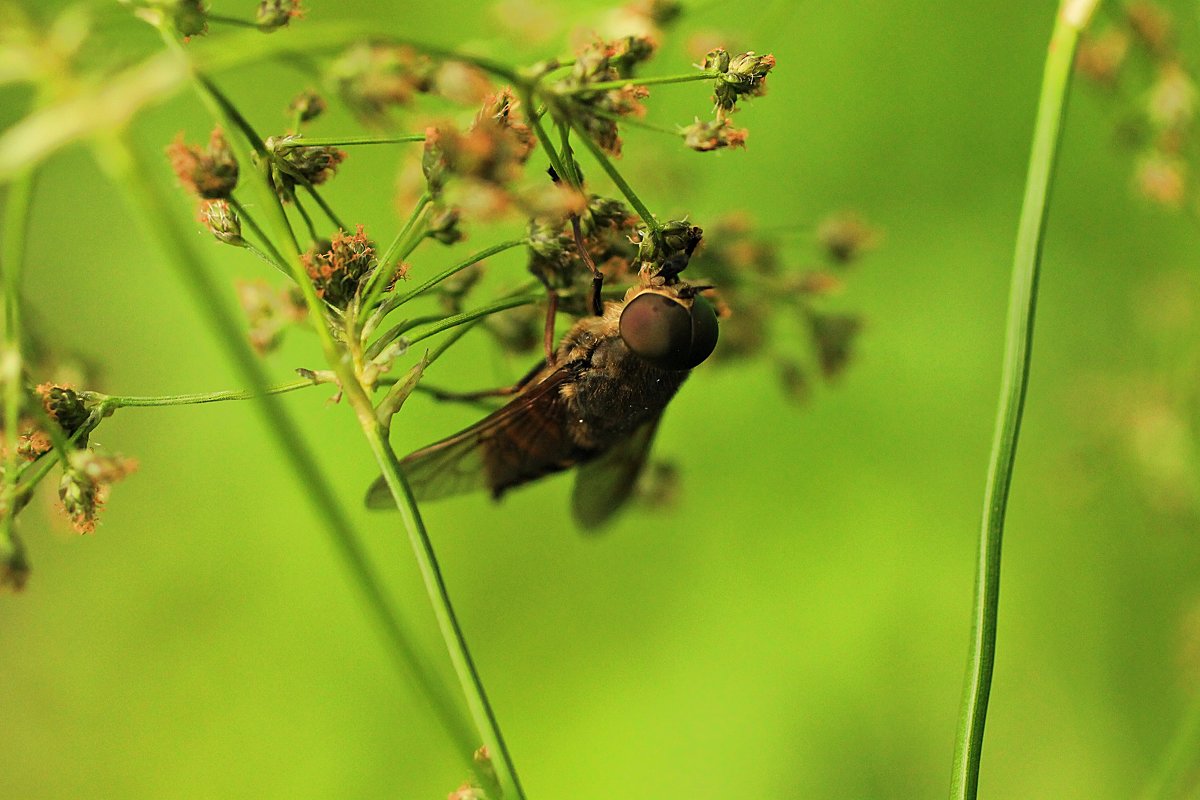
<point x="706" y="135"/>
<point x="600" y="110"/>
<point x="209" y="173"/>
<point x="664" y="256"/>
<point x="743" y="75"/>
<point x="476" y="172"/>
<point x="1160" y="124"/>
<point x="340" y="267"/>
<point x="755" y="290"/>
<point x="492" y="150"/>
<point x="293" y="165"/>
<point x="64" y="407"/>
<point x="85" y="483"/>
<point x="372" y="79"/>
<point x="222" y="222"/>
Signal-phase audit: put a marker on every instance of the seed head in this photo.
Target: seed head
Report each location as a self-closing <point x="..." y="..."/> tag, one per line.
<point x="210" y="173"/>
<point x="307" y="166"/>
<point x="339" y="271"/>
<point x="705" y="136"/>
<point x="1162" y="179"/>
<point x="222" y="222"/>
<point x="85" y="485"/>
<point x="275" y="14"/>
<point x="744" y="75"/>
<point x="1101" y="55"/>
<point x="308" y="104"/>
<point x="833" y="335"/>
<point x="845" y="236"/>
<point x="444" y="225"/>
<point x="14" y="567"/>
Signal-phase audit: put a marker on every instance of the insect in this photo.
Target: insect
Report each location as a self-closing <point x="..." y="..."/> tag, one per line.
<point x="595" y="405"/>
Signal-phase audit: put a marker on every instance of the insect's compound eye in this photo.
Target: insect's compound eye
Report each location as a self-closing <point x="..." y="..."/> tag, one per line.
<point x="667" y="333"/>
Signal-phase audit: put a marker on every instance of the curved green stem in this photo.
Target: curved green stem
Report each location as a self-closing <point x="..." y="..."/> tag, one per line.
<point x="603" y="86"/>
<point x="118" y="401"/>
<point x="346" y="141"/>
<point x="378" y="282"/>
<point x="395" y="302"/>
<point x="364" y="409"/>
<point x="12" y="258"/>
<point x="618" y="179"/>
<point x="476" y="313"/>
<point x="1017" y="352"/>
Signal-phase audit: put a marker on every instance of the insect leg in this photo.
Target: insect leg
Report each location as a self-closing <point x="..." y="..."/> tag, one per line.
<point x="594" y="298"/>
<point x="470" y="397"/>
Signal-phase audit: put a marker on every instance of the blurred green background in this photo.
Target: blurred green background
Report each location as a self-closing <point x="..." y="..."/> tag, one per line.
<point x="796" y="626"/>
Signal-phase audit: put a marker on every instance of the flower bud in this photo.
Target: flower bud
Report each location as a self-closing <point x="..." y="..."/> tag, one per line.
<point x="222" y="222"/>
<point x="209" y="173"/>
<point x="713" y="135"/>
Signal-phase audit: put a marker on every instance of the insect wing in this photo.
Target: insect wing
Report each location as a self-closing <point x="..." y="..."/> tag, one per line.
<point x="604" y="484"/>
<point x="520" y="442"/>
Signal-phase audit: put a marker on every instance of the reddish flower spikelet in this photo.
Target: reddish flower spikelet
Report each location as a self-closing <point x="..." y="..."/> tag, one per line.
<point x="340" y="270"/>
<point x="85" y="483"/>
<point x="705" y="136"/>
<point x="210" y="173"/>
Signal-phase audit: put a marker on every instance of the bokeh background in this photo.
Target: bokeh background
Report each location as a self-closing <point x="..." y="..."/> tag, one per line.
<point x="796" y="624"/>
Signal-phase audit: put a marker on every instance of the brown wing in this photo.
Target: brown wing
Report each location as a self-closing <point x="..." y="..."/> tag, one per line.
<point x="604" y="484"/>
<point x="524" y="440"/>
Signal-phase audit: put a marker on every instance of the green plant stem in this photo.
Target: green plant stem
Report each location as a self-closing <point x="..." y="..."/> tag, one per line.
<point x="41" y="467"/>
<point x="12" y="259"/>
<point x="271" y="254"/>
<point x="234" y="21"/>
<point x="535" y="120"/>
<point x="161" y="225"/>
<point x="1017" y="352"/>
<point x="234" y="117"/>
<point x="604" y="86"/>
<point x="347" y="141"/>
<point x="396" y="302"/>
<point x="619" y="180"/>
<point x="476" y="313"/>
<point x="460" y="655"/>
<point x="364" y="409"/>
<point x="119" y="401"/>
<point x="383" y="273"/>
<point x="308" y="223"/>
<point x="329" y="212"/>
<point x="568" y="156"/>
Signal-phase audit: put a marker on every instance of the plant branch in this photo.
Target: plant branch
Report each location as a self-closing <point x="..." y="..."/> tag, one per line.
<point x="346" y="141"/>
<point x="119" y="401"/>
<point x="604" y="86"/>
<point x="477" y="313"/>
<point x="161" y="225"/>
<point x="1017" y="354"/>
